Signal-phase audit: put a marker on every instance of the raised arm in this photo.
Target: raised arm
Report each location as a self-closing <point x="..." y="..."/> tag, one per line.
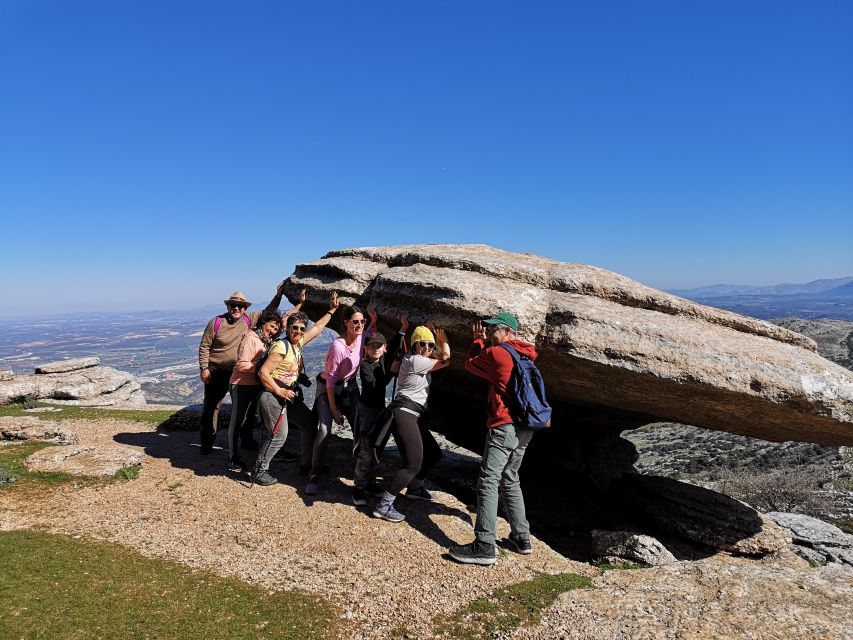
<point x="442" y="350"/>
<point x="314" y="331"/>
<point x="297" y="307"/>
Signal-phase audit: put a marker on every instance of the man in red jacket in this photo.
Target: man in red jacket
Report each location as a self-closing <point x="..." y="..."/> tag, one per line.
<point x="505" y="443"/>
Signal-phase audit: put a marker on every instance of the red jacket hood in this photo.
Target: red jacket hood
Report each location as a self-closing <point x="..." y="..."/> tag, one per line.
<point x="523" y="348"/>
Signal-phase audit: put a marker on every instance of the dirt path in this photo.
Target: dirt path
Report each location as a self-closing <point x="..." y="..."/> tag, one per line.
<point x="384" y="577"/>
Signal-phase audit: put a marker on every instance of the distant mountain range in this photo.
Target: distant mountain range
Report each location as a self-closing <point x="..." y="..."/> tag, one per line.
<point x="826" y="298"/>
<point x="835" y="287"/>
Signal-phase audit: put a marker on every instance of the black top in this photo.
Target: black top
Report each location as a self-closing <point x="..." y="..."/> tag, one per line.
<point x="375" y="376"/>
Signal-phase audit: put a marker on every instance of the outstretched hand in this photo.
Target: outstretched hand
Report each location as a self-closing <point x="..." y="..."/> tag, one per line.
<point x="303" y="294"/>
<point x="334" y="303"/>
<point x="371" y="313"/>
<point x="404" y="323"/>
<point x="479" y="330"/>
<point x="440" y="336"/>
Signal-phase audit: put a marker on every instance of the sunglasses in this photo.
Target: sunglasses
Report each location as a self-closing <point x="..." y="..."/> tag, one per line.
<point x="297" y="327"/>
<point x="234" y="305"/>
<point x="425" y="345"/>
<point x="357" y="321"/>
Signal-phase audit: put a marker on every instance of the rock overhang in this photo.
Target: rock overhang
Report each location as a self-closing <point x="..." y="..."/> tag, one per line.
<point x="606" y="342"/>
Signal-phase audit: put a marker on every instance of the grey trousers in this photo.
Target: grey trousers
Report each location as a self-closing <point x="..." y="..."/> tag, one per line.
<point x="276" y="423"/>
<point x="315" y="438"/>
<point x="505" y="447"/>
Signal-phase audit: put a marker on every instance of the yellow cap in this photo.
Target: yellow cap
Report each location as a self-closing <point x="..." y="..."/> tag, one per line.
<point x="422" y="334"/>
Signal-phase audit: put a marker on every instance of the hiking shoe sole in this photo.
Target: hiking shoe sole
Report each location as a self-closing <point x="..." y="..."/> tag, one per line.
<point x="390" y="516"/>
<point x="466" y="559"/>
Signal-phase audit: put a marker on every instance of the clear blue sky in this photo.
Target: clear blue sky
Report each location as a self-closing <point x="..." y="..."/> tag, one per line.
<point x="163" y="154"/>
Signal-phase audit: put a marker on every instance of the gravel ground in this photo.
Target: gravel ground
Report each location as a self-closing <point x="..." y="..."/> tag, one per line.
<point x="187" y="507"/>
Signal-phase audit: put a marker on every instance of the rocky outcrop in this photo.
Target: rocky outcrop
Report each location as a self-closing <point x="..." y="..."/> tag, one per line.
<point x="81" y="382"/>
<point x="815" y="540"/>
<point x="834" y="338"/>
<point x="615" y="353"/>
<point x="15" y="429"/>
<point x="6" y="374"/>
<point x="73" y="364"/>
<point x="613" y="546"/>
<point x="85" y="460"/>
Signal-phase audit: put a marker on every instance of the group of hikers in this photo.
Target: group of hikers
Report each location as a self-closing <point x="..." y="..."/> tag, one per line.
<point x="257" y="357"/>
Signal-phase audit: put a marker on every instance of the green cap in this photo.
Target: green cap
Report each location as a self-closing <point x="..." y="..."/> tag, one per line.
<point x="504" y="318"/>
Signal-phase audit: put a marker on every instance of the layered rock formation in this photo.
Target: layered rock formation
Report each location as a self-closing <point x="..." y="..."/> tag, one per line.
<point x="81" y="381"/>
<point x="615" y="353"/>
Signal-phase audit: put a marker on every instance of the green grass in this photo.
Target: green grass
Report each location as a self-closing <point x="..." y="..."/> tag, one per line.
<point x="151" y="416"/>
<point x="509" y="607"/>
<point x="12" y="458"/>
<point x="54" y="586"/>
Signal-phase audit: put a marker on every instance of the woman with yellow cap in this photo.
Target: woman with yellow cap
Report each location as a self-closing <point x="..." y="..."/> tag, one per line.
<point x="418" y="448"/>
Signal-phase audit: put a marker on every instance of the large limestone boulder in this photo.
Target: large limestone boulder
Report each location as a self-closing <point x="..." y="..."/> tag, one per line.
<point x="81" y="381"/>
<point x="615" y="353"/>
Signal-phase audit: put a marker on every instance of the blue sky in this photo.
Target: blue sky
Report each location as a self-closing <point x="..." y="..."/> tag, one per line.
<point x="163" y="154"/>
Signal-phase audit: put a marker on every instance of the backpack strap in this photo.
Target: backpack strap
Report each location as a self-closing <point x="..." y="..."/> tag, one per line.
<point x="248" y="322"/>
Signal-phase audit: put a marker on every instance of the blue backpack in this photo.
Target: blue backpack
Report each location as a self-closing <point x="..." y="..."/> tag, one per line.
<point x="526" y="393"/>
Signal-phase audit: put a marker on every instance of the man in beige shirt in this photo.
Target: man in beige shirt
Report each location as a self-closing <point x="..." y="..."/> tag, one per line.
<point x="217" y="354"/>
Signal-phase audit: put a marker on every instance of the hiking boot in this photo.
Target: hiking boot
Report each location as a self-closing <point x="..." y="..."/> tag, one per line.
<point x="388" y="512"/>
<point x="374" y="488"/>
<point x="419" y="494"/>
<point x="359" y="497"/>
<point x="263" y="478"/>
<point x="237" y="465"/>
<point x="313" y="486"/>
<point x="521" y="544"/>
<point x="474" y="553"/>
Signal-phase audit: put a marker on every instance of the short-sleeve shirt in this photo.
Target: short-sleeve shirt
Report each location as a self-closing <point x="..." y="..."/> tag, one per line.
<point x="414" y="378"/>
<point x="288" y="369"/>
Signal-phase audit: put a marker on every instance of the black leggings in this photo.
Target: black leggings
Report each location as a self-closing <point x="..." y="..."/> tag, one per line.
<point x="418" y="449"/>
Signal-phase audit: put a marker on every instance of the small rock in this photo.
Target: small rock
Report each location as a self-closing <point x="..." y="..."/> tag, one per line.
<point x="631" y="546"/>
<point x="17" y="429"/>
<point x="72" y="364"/>
<point x="85" y="460"/>
<point x="6" y="375"/>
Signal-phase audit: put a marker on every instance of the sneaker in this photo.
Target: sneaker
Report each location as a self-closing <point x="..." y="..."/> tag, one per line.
<point x="263" y="478"/>
<point x="419" y="494"/>
<point x="359" y="497"/>
<point x="474" y="553"/>
<point x="237" y="465"/>
<point x="521" y="544"/>
<point x="374" y="488"/>
<point x="313" y="487"/>
<point x="388" y="513"/>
